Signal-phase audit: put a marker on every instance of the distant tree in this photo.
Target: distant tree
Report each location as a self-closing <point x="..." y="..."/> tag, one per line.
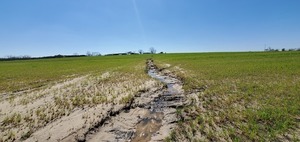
<point x="141" y="51"/>
<point x="96" y="54"/>
<point x="88" y="53"/>
<point x="26" y="57"/>
<point x="152" y="50"/>
<point x="58" y="56"/>
<point x="283" y="49"/>
<point x="10" y="57"/>
<point x="271" y="49"/>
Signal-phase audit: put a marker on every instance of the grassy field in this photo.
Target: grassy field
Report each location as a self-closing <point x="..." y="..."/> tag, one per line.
<point x="73" y="88"/>
<point x="251" y="96"/>
<point x="21" y="75"/>
<point x="244" y="96"/>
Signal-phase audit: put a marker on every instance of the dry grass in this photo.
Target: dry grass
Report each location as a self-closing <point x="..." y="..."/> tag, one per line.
<point x="32" y="110"/>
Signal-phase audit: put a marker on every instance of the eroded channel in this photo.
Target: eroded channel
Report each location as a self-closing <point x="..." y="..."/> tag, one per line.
<point x="151" y="115"/>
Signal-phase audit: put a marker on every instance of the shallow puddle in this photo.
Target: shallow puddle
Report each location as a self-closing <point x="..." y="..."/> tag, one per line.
<point x="149" y="125"/>
<point x="151" y="118"/>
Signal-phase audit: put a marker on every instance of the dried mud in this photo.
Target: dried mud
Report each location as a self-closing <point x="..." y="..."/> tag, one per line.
<point x="149" y="115"/>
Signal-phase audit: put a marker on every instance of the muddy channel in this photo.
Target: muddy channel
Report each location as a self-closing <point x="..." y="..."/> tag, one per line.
<point x="150" y="116"/>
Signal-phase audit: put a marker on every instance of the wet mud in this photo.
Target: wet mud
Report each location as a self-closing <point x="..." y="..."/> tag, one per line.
<point x="150" y="116"/>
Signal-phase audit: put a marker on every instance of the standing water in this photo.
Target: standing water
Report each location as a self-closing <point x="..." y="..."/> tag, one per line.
<point x="168" y="98"/>
<point x="151" y="116"/>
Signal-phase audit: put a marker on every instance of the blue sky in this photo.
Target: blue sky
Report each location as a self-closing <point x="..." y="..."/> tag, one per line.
<point x="49" y="27"/>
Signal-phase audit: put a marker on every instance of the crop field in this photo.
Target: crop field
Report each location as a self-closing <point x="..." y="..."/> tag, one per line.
<point x="36" y="93"/>
<point x="239" y="96"/>
<point x="21" y="75"/>
<point x="246" y="96"/>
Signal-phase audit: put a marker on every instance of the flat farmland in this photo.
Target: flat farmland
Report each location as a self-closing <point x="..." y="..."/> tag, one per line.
<point x="237" y="96"/>
<point x="36" y="94"/>
<point x="21" y="75"/>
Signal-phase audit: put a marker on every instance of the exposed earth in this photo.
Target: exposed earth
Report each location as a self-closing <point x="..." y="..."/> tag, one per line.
<point x="150" y="115"/>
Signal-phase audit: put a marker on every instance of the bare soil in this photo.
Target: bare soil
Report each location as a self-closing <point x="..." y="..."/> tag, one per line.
<point x="150" y="115"/>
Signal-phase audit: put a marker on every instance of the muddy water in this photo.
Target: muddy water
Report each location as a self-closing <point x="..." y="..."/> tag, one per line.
<point x="148" y="126"/>
<point x="151" y="116"/>
<point x="153" y="119"/>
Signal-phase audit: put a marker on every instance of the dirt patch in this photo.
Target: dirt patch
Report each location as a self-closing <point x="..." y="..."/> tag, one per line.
<point x="69" y="108"/>
<point x="108" y="107"/>
<point x="151" y="116"/>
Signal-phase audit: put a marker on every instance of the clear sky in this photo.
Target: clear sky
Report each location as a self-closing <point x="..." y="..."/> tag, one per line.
<point x="50" y="27"/>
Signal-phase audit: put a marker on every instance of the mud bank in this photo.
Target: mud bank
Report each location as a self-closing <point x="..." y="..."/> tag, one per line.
<point x="151" y="115"/>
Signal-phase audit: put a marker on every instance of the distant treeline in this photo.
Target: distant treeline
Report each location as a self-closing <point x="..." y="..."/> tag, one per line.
<point x="26" y="57"/>
<point x="283" y="49"/>
<point x="152" y="50"/>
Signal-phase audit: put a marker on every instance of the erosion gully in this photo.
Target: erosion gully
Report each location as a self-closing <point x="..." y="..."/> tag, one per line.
<point x="150" y="116"/>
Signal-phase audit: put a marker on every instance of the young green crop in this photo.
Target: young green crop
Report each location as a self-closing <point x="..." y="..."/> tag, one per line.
<point x="247" y="96"/>
<point x="243" y="96"/>
<point x="71" y="84"/>
<point x="25" y="74"/>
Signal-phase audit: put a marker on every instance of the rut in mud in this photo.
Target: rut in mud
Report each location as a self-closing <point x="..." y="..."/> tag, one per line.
<point x="150" y="116"/>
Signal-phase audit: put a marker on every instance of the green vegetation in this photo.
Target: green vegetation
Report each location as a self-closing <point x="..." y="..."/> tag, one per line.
<point x="57" y="87"/>
<point x="24" y="74"/>
<point x="243" y="96"/>
<point x="250" y="96"/>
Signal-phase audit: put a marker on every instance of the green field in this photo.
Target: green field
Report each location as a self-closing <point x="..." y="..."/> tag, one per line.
<point x="246" y="96"/>
<point x="37" y="93"/>
<point x="240" y="96"/>
<point x="21" y="75"/>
